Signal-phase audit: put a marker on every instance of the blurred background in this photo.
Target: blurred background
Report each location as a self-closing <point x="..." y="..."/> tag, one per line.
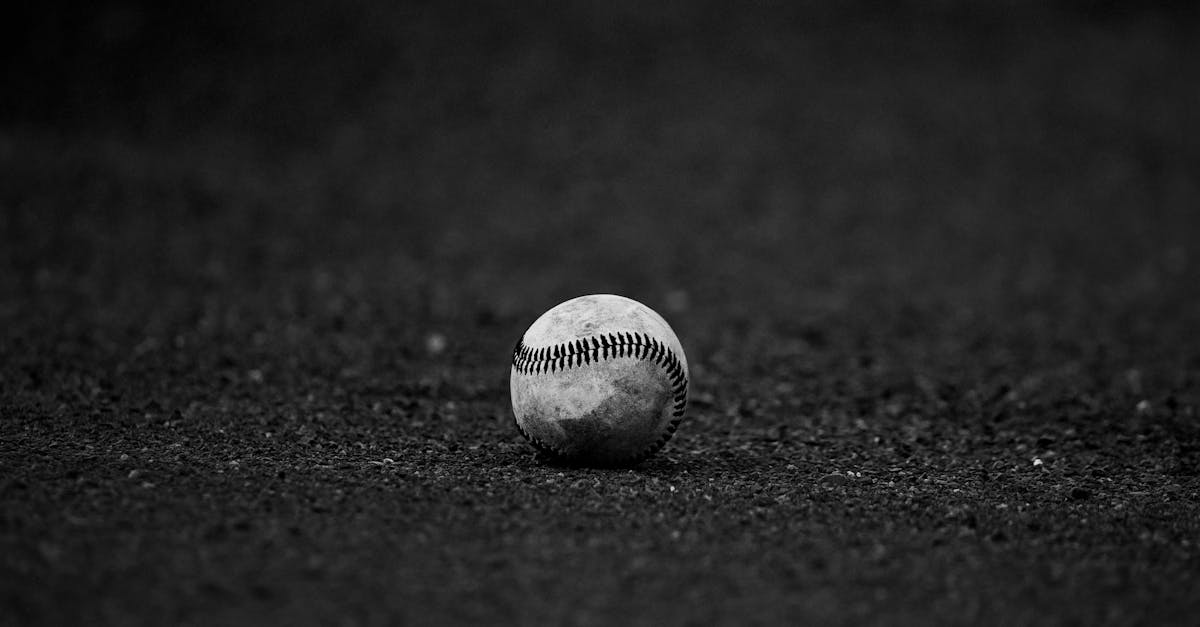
<point x="1014" y="167"/>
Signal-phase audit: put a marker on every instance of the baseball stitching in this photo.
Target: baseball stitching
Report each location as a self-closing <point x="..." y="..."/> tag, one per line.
<point x="550" y="359"/>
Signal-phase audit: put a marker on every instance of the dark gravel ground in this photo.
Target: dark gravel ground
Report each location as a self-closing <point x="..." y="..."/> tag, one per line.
<point x="261" y="272"/>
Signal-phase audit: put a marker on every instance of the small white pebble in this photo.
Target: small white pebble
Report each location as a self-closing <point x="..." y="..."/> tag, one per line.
<point x="435" y="343"/>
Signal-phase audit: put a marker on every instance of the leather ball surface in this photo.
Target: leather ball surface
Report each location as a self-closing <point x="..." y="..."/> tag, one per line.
<point x="599" y="380"/>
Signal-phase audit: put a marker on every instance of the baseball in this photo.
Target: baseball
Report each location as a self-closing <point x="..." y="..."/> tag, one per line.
<point x="599" y="380"/>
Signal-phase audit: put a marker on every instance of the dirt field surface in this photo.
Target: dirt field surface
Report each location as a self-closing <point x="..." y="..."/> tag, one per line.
<point x="934" y="267"/>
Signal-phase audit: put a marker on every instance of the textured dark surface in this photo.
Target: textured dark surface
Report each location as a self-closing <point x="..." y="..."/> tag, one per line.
<point x="261" y="274"/>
